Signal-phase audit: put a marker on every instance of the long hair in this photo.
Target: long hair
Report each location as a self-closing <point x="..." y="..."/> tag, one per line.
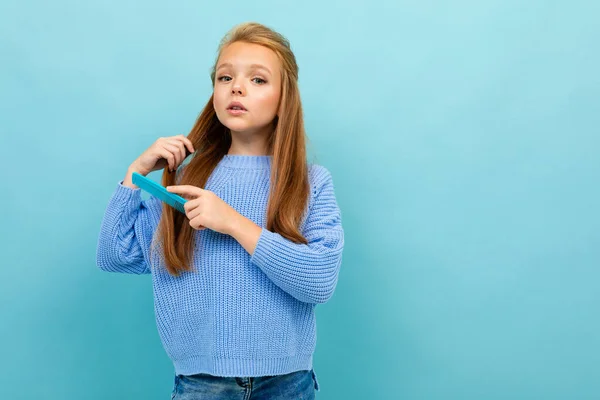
<point x="289" y="184"/>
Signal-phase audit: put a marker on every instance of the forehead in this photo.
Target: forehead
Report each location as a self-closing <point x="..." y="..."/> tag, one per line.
<point x="242" y="54"/>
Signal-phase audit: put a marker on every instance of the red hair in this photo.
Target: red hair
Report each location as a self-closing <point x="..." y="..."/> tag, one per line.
<point x="289" y="192"/>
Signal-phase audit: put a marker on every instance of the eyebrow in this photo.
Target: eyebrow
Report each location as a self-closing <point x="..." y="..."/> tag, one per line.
<point x="253" y="66"/>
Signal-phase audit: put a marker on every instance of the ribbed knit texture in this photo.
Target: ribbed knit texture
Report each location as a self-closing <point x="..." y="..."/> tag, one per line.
<point x="235" y="314"/>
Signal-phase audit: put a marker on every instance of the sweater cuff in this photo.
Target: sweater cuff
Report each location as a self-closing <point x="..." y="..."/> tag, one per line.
<point x="263" y="248"/>
<point x="127" y="195"/>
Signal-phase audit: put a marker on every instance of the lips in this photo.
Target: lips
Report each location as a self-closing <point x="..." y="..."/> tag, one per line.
<point x="236" y="105"/>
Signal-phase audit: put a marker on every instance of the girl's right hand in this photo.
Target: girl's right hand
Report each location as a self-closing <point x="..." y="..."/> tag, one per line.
<point x="165" y="151"/>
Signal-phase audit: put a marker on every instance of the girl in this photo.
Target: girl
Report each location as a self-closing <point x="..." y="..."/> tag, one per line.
<point x="236" y="279"/>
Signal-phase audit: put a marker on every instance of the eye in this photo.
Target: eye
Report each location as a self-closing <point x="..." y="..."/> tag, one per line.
<point x="260" y="81"/>
<point x="223" y="78"/>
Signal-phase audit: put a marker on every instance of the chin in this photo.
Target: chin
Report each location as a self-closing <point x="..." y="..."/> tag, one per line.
<point x="238" y="126"/>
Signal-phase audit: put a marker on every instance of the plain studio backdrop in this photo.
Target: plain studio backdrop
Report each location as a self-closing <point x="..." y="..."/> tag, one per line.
<point x="463" y="140"/>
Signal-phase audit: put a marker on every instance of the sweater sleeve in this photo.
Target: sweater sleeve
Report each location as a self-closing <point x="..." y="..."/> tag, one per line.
<point x="308" y="272"/>
<point x="126" y="231"/>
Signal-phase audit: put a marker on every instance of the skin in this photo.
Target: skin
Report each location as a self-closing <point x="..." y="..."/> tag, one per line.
<point x="204" y="209"/>
<point x="250" y="74"/>
<point x="238" y="78"/>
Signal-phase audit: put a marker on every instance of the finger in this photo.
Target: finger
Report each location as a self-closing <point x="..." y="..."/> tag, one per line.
<point x="197" y="226"/>
<point x="176" y="153"/>
<point x="188" y="143"/>
<point x="167" y="155"/>
<point x="193" y="212"/>
<point x="195" y="223"/>
<point x="190" y="204"/>
<point x="185" y="189"/>
<point x="180" y="147"/>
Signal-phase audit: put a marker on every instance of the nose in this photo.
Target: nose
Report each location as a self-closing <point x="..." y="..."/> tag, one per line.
<point x="237" y="89"/>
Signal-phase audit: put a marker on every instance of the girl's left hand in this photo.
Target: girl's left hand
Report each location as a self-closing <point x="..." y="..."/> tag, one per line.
<point x="205" y="209"/>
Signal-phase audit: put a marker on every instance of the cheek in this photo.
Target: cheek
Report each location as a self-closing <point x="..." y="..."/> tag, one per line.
<point x="269" y="100"/>
<point x="219" y="104"/>
<point x="218" y="98"/>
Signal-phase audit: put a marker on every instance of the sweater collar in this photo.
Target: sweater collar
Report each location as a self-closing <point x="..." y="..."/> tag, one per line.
<point x="246" y="161"/>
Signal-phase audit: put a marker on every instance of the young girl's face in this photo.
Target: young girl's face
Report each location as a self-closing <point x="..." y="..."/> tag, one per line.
<point x="250" y="75"/>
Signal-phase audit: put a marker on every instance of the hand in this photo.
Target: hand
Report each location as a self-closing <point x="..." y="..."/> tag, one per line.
<point x="165" y="151"/>
<point x="205" y="209"/>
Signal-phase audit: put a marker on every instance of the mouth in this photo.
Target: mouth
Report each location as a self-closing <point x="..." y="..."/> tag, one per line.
<point x="237" y="107"/>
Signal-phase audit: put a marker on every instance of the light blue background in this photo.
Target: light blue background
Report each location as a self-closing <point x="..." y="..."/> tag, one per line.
<point x="463" y="142"/>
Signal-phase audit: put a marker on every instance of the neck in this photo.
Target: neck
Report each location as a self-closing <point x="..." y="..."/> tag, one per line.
<point x="249" y="143"/>
<point x="247" y="161"/>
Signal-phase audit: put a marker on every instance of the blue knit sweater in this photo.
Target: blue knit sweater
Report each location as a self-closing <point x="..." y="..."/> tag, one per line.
<point x="235" y="314"/>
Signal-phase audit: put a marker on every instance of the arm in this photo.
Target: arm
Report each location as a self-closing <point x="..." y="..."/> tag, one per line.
<point x="126" y="230"/>
<point x="309" y="272"/>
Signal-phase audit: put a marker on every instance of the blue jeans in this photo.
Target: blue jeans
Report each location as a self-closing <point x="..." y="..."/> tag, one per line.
<point x="296" y="385"/>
